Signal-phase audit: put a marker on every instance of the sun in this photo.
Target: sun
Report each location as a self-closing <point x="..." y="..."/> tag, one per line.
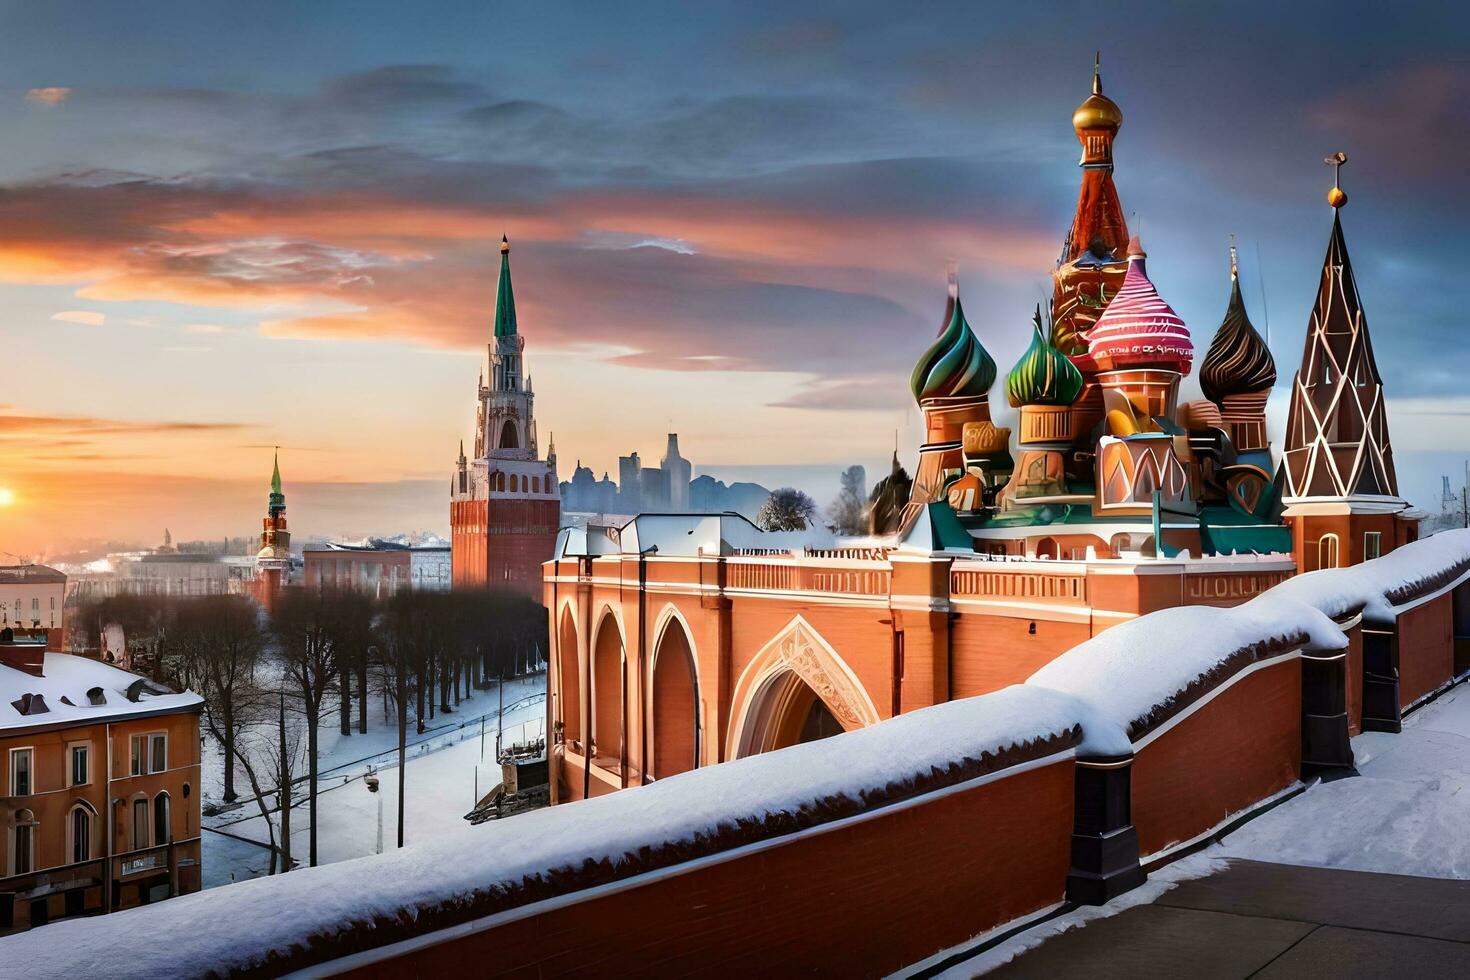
<point x="7" y="496"/>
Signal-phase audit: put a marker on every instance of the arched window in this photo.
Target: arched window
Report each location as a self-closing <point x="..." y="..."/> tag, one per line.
<point x="1327" y="550"/>
<point x="535" y="484"/>
<point x="140" y="823"/>
<point x="23" y="844"/>
<point x="162" y="834"/>
<point x="508" y="437"/>
<point x="79" y="825"/>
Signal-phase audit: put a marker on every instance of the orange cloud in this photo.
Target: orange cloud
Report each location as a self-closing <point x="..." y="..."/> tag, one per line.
<point x="49" y="94"/>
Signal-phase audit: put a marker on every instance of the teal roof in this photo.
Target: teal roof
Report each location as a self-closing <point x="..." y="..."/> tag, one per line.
<point x="505" y="297"/>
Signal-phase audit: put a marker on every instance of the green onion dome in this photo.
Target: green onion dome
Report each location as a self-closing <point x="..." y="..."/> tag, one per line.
<point x="956" y="365"/>
<point x="1043" y="375"/>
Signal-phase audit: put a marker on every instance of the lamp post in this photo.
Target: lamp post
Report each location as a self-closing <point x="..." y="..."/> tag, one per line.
<point x="371" y="779"/>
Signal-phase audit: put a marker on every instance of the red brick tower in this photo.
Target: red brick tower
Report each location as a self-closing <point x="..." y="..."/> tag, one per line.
<point x="505" y="502"/>
<point x="273" y="561"/>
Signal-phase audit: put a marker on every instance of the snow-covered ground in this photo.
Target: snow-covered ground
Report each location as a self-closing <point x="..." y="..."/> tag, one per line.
<point x="1407" y="812"/>
<point x="445" y="766"/>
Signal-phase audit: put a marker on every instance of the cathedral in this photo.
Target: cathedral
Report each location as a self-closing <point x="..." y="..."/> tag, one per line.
<point x="504" y="501"/>
<point x="685" y="640"/>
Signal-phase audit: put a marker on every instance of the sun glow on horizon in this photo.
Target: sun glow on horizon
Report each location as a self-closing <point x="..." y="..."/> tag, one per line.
<point x="7" y="496"/>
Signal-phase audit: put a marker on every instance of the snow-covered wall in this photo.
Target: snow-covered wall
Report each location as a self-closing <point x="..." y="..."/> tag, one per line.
<point x="1097" y="700"/>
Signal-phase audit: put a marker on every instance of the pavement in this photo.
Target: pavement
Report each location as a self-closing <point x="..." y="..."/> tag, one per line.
<point x="1255" y="919"/>
<point x="1363" y="876"/>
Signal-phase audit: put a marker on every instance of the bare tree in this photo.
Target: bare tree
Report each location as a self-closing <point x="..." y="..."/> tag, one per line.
<point x="305" y="627"/>
<point x="848" y="513"/>
<point x="220" y="642"/>
<point x="786" y="509"/>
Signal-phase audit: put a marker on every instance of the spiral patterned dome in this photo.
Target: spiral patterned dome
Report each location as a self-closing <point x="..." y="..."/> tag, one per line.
<point x="1238" y="361"/>
<point x="1138" y="329"/>
<point x="956" y="365"/>
<point x="1043" y="375"/>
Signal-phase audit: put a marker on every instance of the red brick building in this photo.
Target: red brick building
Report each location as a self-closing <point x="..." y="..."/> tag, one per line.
<point x="505" y="501"/>
<point x="681" y="641"/>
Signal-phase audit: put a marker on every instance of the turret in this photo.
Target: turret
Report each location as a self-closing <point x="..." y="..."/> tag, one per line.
<point x="1141" y="348"/>
<point x="1238" y="371"/>
<point x="951" y="382"/>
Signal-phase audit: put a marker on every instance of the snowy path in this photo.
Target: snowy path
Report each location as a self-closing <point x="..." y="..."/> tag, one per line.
<point x="1408" y="810"/>
<point x="444" y="769"/>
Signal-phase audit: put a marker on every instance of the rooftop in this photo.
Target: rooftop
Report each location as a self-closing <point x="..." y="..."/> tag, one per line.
<point x="78" y="690"/>
<point x="30" y="575"/>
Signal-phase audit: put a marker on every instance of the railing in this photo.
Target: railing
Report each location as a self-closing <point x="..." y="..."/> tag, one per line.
<point x="973" y="583"/>
<point x="790" y="576"/>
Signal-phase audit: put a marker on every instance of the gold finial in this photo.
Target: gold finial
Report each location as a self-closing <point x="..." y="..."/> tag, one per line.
<point x="1097" y="73"/>
<point x="1234" y="265"/>
<point x="504" y="244"/>
<point x="1336" y="197"/>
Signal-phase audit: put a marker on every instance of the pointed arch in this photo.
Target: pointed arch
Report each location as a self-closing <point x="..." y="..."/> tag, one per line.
<point x="568" y="675"/>
<point x="767" y="701"/>
<point x="509" y="437"/>
<point x="608" y="665"/>
<point x="673" y="680"/>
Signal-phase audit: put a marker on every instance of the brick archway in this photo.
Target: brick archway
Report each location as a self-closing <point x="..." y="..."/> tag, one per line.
<point x="674" y="689"/>
<point x="776" y="691"/>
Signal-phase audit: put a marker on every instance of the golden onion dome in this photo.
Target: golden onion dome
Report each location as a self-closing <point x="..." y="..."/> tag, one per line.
<point x="1097" y="111"/>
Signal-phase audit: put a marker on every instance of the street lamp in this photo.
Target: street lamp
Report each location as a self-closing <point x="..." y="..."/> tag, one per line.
<point x="371" y="779"/>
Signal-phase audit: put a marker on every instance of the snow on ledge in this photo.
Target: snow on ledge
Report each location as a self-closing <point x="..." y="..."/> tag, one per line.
<point x="1141" y="669"/>
<point x="1381" y="587"/>
<point x="476" y="870"/>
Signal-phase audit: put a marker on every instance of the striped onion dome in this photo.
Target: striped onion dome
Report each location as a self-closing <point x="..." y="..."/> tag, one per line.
<point x="1138" y="329"/>
<point x="1043" y="375"/>
<point x="1238" y="361"/>
<point x="955" y="365"/>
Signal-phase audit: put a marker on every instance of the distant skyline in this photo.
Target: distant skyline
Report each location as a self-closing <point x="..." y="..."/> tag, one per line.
<point x="226" y="228"/>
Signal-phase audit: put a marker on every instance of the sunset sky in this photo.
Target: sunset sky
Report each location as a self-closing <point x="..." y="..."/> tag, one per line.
<point x="229" y="226"/>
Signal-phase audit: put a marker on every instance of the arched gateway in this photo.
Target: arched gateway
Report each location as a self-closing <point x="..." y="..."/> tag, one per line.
<point x="797" y="689"/>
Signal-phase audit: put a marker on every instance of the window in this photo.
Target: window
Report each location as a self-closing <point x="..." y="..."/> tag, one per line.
<point x="161" y="834"/>
<point x="140" y="823"/>
<point x="1327" y="551"/>
<point x="24" y="861"/>
<point x="79" y="759"/>
<point x="1372" y="545"/>
<point x="159" y="747"/>
<point x="81" y="835"/>
<point x="150" y="753"/>
<point x="20" y="772"/>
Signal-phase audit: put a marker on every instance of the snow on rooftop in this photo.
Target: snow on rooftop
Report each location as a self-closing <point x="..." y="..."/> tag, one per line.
<point x="71" y="677"/>
<point x="685" y="536"/>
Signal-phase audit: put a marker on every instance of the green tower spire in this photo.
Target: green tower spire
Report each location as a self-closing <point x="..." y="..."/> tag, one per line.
<point x="278" y="497"/>
<point x="505" y="297"/>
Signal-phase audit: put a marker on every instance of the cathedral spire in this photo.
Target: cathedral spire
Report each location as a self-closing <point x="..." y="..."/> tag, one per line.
<point x="278" y="497"/>
<point x="505" y="298"/>
<point x="1337" y="428"/>
<point x="1091" y="267"/>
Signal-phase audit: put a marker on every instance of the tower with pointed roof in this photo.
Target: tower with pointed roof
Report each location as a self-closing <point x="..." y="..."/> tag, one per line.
<point x="1341" y="491"/>
<point x="273" y="561"/>
<point x="505" y="500"/>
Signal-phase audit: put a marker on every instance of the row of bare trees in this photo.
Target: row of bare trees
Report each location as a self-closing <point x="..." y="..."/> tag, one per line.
<point x="426" y="652"/>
